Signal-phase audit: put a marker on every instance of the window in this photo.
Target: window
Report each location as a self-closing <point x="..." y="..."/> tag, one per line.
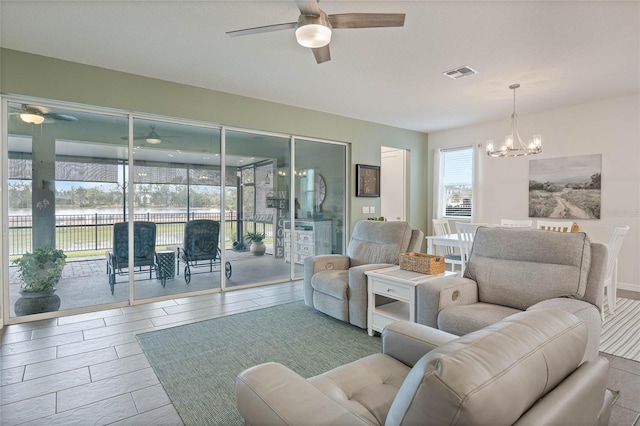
<point x="456" y="184"/>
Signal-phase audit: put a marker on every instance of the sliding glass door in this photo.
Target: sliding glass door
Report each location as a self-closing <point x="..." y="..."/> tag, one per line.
<point x="320" y="200"/>
<point x="65" y="191"/>
<point x="260" y="203"/>
<point x="98" y="201"/>
<point x="177" y="185"/>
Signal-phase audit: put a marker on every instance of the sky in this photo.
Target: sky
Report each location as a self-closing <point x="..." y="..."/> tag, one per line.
<point x="565" y="169"/>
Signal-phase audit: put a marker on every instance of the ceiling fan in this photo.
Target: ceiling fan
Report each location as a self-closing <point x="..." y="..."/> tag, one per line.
<point x="152" y="137"/>
<point x="33" y="114"/>
<point x="313" y="29"/>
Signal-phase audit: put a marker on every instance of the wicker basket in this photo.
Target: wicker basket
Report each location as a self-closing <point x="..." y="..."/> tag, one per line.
<point x="423" y="263"/>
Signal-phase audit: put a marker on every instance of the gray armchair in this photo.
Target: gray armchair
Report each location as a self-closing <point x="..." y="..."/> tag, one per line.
<point x="524" y="370"/>
<point x="337" y="285"/>
<point x="512" y="270"/>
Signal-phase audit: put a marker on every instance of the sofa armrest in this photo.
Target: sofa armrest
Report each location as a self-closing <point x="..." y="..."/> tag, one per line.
<point x="585" y="311"/>
<point x="326" y="262"/>
<point x="578" y="399"/>
<point x="408" y="342"/>
<point x="434" y="295"/>
<point x="313" y="264"/>
<point x="272" y="394"/>
<point x="358" y="292"/>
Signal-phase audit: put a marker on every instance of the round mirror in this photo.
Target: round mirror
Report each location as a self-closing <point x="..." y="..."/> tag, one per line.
<point x="320" y="189"/>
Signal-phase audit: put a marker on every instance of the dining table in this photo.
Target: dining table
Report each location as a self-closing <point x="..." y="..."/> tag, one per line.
<point x="450" y="240"/>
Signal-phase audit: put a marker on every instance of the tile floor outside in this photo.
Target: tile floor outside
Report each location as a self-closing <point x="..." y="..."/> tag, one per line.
<point x="90" y="369"/>
<point x="85" y="282"/>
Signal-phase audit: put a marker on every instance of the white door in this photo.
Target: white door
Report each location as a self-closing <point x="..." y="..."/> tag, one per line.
<point x="393" y="183"/>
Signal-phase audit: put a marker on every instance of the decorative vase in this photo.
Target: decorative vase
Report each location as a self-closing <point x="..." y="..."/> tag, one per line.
<point x="36" y="303"/>
<point x="258" y="248"/>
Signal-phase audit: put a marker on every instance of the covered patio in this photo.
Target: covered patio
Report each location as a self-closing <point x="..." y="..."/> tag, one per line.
<point x="85" y="281"/>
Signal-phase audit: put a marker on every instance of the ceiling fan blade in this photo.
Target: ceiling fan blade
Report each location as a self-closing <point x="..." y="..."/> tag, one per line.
<point x="308" y="7"/>
<point x="367" y="20"/>
<point x="265" y="29"/>
<point x="60" y="117"/>
<point x="322" y="54"/>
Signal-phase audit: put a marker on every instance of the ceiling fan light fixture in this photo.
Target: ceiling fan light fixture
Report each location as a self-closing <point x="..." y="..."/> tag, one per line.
<point x="153" y="141"/>
<point x="31" y="118"/>
<point x="313" y="31"/>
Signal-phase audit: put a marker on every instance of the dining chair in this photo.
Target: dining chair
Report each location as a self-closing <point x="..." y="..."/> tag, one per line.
<point x="442" y="227"/>
<point x="611" y="273"/>
<point x="558" y="226"/>
<point x="517" y="222"/>
<point x="466" y="233"/>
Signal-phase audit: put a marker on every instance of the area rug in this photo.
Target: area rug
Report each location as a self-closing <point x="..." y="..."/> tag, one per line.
<point x="197" y="363"/>
<point x="621" y="331"/>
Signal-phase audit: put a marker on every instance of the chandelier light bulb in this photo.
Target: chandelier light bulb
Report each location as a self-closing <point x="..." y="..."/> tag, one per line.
<point x="508" y="141"/>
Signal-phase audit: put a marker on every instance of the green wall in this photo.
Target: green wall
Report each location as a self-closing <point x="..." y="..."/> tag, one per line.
<point x="33" y="75"/>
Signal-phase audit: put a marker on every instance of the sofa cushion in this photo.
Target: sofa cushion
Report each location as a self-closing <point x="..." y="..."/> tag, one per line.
<point x="518" y="268"/>
<point x="334" y="283"/>
<point x="378" y="242"/>
<point x="463" y="319"/>
<point x="365" y="387"/>
<point x="454" y="384"/>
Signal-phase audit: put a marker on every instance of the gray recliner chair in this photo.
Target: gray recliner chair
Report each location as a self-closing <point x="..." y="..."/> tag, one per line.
<point x="513" y="270"/>
<point x="337" y="285"/>
<point x="526" y="369"/>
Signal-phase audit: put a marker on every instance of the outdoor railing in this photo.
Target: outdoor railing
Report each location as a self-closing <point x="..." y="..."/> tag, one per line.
<point x="90" y="232"/>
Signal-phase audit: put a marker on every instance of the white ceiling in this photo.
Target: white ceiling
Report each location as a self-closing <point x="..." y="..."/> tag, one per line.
<point x="562" y="53"/>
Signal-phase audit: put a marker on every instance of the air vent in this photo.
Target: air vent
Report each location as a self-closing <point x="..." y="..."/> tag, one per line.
<point x="460" y="72"/>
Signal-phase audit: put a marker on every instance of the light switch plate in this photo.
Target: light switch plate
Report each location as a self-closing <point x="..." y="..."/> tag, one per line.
<point x="365" y="210"/>
<point x="372" y="209"/>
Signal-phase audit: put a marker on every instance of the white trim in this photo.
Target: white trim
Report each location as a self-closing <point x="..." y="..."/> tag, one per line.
<point x="4" y="203"/>
<point x="629" y="287"/>
<point x="292" y="206"/>
<point x="223" y="213"/>
<point x="437" y="178"/>
<point x="475" y="178"/>
<point x="131" y="212"/>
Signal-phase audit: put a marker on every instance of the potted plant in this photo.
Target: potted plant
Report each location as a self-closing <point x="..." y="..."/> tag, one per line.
<point x="39" y="271"/>
<point x="257" y="247"/>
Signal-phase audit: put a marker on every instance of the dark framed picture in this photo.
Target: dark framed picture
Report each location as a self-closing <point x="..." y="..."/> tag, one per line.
<point x="367" y="181"/>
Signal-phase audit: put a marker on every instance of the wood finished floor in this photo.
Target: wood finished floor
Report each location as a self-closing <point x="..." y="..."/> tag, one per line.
<point x="89" y="368"/>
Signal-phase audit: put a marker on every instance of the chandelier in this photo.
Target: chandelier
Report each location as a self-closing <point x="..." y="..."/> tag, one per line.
<point x="520" y="149"/>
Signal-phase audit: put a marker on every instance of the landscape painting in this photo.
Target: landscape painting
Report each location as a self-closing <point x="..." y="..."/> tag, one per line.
<point x="566" y="187"/>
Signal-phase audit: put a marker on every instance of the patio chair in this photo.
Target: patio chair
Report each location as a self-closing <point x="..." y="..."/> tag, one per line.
<point x="144" y="247"/>
<point x="200" y="247"/>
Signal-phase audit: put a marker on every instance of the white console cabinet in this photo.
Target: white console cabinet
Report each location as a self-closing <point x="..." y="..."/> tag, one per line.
<point x="310" y="237"/>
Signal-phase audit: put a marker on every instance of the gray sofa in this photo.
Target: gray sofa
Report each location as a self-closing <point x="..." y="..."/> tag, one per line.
<point x="337" y="285"/>
<point x="525" y="370"/>
<point x="512" y="270"/>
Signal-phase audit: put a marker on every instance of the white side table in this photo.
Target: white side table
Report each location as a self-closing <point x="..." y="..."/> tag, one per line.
<point x="398" y="284"/>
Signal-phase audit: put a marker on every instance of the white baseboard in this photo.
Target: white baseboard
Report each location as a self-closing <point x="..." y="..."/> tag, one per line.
<point x="629" y="287"/>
